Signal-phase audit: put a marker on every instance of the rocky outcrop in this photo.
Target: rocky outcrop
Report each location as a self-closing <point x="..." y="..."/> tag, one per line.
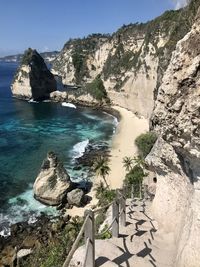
<point x="76" y="197"/>
<point x="131" y="62"/>
<point x="53" y="182"/>
<point x="176" y="155"/>
<point x="74" y="97"/>
<point x="33" y="80"/>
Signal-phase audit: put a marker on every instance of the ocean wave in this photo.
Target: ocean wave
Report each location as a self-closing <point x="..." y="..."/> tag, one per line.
<point x="32" y="101"/>
<point x="79" y="149"/>
<point x="69" y="105"/>
<point x="24" y="207"/>
<point x="115" y="121"/>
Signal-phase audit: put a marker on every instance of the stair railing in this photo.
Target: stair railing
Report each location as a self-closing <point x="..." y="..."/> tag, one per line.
<point x="88" y="227"/>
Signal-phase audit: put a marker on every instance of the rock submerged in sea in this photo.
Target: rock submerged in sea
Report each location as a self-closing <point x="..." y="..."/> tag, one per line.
<point x="76" y="197"/>
<point x="53" y="182"/>
<point x="33" y="80"/>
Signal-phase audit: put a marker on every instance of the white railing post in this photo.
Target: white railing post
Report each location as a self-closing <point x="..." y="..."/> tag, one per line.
<point x="132" y="191"/>
<point x="89" y="234"/>
<point x="115" y="214"/>
<point x="123" y="209"/>
<point x="140" y="190"/>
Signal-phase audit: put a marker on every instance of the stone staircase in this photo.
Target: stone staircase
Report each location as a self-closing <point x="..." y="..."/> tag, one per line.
<point x="139" y="244"/>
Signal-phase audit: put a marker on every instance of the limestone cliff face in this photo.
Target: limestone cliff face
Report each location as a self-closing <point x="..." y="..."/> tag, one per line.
<point x="131" y="62"/>
<point x="176" y="155"/>
<point x="33" y="80"/>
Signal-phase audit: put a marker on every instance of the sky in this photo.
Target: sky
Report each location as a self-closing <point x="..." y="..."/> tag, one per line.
<point x="47" y="24"/>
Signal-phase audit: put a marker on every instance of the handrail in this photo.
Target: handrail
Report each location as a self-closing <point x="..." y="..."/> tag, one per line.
<point x="86" y="249"/>
<point x="75" y="245"/>
<point x="102" y="208"/>
<point x="108" y="228"/>
<point x="118" y="211"/>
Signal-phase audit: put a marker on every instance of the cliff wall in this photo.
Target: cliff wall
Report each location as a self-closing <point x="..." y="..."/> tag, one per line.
<point x="131" y="62"/>
<point x="176" y="155"/>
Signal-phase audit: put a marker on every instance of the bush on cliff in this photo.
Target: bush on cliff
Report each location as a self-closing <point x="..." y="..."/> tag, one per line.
<point x="134" y="178"/>
<point x="104" y="195"/>
<point x="145" y="143"/>
<point x="55" y="252"/>
<point x="97" y="90"/>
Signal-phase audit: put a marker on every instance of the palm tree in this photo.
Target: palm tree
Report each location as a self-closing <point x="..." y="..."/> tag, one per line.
<point x="101" y="168"/>
<point x="128" y="163"/>
<point x="139" y="161"/>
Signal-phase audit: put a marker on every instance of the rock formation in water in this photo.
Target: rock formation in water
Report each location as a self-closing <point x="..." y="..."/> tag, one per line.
<point x="76" y="197"/>
<point x="131" y="62"/>
<point x="53" y="182"/>
<point x="175" y="156"/>
<point x="33" y="80"/>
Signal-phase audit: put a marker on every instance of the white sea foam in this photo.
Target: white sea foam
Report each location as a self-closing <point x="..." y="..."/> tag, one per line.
<point x="5" y="232"/>
<point x="19" y="211"/>
<point x="115" y="120"/>
<point x="32" y="101"/>
<point x="69" y="105"/>
<point x="79" y="149"/>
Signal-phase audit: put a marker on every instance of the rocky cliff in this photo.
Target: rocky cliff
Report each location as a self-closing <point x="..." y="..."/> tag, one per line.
<point x="176" y="155"/>
<point x="33" y="80"/>
<point x="131" y="62"/>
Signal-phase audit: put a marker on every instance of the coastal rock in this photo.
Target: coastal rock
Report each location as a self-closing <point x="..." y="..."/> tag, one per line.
<point x="76" y="197"/>
<point x="175" y="156"/>
<point x="33" y="80"/>
<point x="131" y="61"/>
<point x="30" y="237"/>
<point x="58" y="96"/>
<point x="53" y="181"/>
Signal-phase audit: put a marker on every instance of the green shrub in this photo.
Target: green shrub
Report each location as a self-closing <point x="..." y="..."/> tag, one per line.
<point x="55" y="253"/>
<point x="105" y="196"/>
<point x="145" y="143"/>
<point x="96" y="89"/>
<point x="134" y="178"/>
<point x="135" y="175"/>
<point x="107" y="234"/>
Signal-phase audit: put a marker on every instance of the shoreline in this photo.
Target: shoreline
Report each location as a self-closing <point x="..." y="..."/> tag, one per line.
<point x="123" y="144"/>
<point x="128" y="128"/>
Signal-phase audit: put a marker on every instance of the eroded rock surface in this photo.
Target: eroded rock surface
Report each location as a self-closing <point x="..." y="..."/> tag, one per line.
<point x="76" y="197"/>
<point x="53" y="181"/>
<point x="131" y="61"/>
<point x="176" y="155"/>
<point x="33" y="80"/>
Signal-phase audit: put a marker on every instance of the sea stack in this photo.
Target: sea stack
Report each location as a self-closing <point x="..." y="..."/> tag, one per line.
<point x="53" y="181"/>
<point x="33" y="80"/>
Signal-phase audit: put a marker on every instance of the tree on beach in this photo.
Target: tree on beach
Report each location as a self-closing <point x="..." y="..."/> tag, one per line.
<point x="128" y="163"/>
<point x="101" y="168"/>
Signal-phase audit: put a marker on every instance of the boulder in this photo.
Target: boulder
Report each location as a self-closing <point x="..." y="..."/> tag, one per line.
<point x="76" y="197"/>
<point x="33" y="80"/>
<point x="53" y="181"/>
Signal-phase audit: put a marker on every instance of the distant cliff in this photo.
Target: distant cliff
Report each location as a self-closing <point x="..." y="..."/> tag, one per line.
<point x="47" y="56"/>
<point x="131" y="62"/>
<point x="176" y="155"/>
<point x="33" y="80"/>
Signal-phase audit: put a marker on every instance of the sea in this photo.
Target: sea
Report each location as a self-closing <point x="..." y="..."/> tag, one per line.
<point x="27" y="132"/>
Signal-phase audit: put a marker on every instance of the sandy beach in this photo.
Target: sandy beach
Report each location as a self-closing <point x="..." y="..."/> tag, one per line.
<point x="129" y="127"/>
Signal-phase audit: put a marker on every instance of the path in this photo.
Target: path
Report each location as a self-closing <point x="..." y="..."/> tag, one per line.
<point x="140" y="243"/>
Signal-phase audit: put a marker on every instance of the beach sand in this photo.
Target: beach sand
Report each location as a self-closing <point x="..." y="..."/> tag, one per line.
<point x="129" y="127"/>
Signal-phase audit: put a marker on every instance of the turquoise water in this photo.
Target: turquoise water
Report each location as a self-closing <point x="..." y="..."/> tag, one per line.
<point x="27" y="132"/>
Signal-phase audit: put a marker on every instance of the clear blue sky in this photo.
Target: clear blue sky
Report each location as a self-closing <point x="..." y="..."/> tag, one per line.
<point x="48" y="24"/>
